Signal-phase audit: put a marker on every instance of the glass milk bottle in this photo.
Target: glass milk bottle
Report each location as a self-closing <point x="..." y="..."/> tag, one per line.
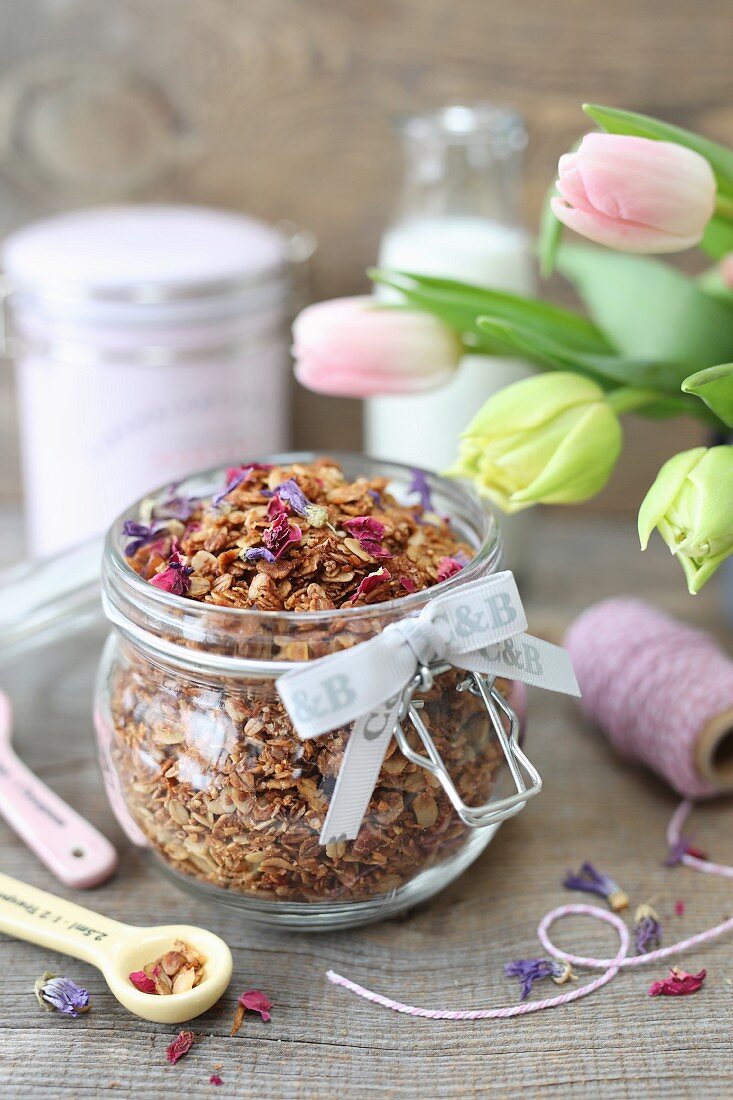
<point x="458" y="219"/>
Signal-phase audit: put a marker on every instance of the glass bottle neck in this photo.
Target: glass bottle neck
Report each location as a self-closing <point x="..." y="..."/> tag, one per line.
<point x="463" y="162"/>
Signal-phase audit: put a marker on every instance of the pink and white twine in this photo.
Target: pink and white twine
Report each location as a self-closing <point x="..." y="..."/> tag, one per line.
<point x="610" y="967"/>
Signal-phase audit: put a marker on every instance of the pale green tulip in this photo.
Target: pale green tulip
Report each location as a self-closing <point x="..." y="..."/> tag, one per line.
<point x="551" y="439"/>
<point x="691" y="505"/>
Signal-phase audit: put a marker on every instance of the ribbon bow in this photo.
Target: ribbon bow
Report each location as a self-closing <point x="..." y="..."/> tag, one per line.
<point x="479" y="626"/>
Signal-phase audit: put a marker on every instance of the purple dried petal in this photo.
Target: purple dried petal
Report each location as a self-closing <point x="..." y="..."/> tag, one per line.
<point x="530" y="971"/>
<point x="259" y="553"/>
<point x="140" y="535"/>
<point x="292" y="494"/>
<point x="235" y="476"/>
<point x="647" y="929"/>
<point x="683" y="846"/>
<point x="63" y="995"/>
<point x="419" y="485"/>
<point x="591" y="881"/>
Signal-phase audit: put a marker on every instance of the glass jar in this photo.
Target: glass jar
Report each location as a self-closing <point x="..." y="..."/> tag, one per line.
<point x="202" y="765"/>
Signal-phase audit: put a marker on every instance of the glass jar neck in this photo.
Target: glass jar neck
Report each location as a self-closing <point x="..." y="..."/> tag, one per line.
<point x="463" y="161"/>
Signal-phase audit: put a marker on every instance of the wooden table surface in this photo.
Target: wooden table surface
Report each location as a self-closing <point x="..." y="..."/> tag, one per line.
<point x="324" y="1042"/>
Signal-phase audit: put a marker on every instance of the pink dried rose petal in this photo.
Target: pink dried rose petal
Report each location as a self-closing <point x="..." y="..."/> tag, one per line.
<point x="448" y="567"/>
<point x="369" y="533"/>
<point x="176" y="578"/>
<point x="215" y="1079"/>
<point x="679" y="908"/>
<point x="408" y="584"/>
<point x="679" y="984"/>
<point x="276" y="508"/>
<point x="254" y="1000"/>
<point x="180" y="1046"/>
<point x="372" y="581"/>
<point x="142" y="982"/>
<point x="280" y="534"/>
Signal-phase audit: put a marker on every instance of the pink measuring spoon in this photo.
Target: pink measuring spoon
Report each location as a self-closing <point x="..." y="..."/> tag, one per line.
<point x="70" y="847"/>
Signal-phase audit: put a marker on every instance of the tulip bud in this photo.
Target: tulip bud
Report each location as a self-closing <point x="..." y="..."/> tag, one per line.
<point x="634" y="194"/>
<point x="354" y="347"/>
<point x="691" y="505"/>
<point x="550" y="439"/>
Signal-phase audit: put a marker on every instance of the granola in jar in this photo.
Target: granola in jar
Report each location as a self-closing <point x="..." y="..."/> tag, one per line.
<point x="214" y="593"/>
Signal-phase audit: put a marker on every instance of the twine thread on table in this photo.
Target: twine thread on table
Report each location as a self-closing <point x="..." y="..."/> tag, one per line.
<point x="652" y="684"/>
<point x="610" y="967"/>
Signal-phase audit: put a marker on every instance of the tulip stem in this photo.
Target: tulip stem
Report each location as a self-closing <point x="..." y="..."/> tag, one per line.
<point x="626" y="399"/>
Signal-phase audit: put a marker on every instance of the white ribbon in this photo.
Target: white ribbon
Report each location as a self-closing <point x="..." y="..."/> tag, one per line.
<point x="479" y="626"/>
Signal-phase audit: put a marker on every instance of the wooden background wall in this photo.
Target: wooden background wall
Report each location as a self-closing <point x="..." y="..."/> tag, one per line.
<point x="283" y="108"/>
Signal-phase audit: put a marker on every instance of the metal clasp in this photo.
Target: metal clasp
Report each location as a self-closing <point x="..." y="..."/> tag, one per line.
<point x="525" y="776"/>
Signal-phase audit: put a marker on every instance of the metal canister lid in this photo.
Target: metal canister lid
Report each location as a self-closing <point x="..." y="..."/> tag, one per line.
<point x="108" y="259"/>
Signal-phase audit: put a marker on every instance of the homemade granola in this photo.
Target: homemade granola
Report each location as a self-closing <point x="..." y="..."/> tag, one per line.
<point x="210" y="767"/>
<point x="177" y="971"/>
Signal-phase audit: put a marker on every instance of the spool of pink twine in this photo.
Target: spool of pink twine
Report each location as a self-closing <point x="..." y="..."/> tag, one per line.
<point x="661" y="691"/>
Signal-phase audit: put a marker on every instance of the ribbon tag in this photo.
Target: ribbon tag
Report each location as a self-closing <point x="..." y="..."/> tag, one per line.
<point x="478" y="627"/>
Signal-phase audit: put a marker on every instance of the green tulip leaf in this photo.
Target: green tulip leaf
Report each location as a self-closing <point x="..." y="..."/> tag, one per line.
<point x="608" y="371"/>
<point x="717" y="240"/>
<point x="649" y="310"/>
<point x="714" y="386"/>
<point x="459" y="305"/>
<point x="617" y="121"/>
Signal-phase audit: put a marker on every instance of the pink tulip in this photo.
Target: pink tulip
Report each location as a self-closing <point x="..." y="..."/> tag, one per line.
<point x="354" y="347"/>
<point x="635" y="195"/>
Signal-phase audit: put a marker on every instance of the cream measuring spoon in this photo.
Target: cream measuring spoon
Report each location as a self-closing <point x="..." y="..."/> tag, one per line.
<point x="72" y="849"/>
<point x="116" y="949"/>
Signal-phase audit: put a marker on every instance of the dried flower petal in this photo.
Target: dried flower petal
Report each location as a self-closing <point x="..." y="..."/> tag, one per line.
<point x="215" y="1079"/>
<point x="142" y="982"/>
<point x="371" y="581"/>
<point x="62" y="995"/>
<point x="408" y="584"/>
<point x="593" y="882"/>
<point x="235" y="476"/>
<point x="419" y="485"/>
<point x="530" y="971"/>
<point x="259" y="553"/>
<point x="448" y="567"/>
<point x="180" y="1046"/>
<point x="275" y="508"/>
<point x="679" y="984"/>
<point x="683" y="846"/>
<point x="176" y="577"/>
<point x="280" y="534"/>
<point x="290" y="492"/>
<point x="254" y="1000"/>
<point x="140" y="534"/>
<point x="647" y="929"/>
<point x="369" y="533"/>
<point x="679" y="908"/>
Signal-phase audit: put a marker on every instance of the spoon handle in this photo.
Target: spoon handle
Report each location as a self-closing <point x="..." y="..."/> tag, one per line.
<point x="72" y="849"/>
<point x="30" y="914"/>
